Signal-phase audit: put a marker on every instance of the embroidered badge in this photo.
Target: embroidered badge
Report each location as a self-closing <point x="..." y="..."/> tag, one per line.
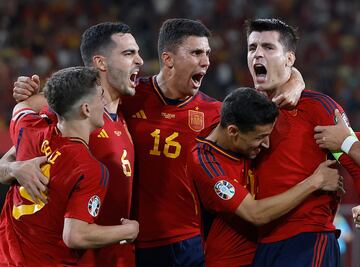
<point x="94" y="206"/>
<point x="224" y="189"/>
<point x="196" y="120"/>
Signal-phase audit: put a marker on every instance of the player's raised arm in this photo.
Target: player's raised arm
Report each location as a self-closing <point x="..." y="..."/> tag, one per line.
<point x="27" y="173"/>
<point x="24" y="87"/>
<point x="35" y="103"/>
<point x="265" y="210"/>
<point x="288" y="95"/>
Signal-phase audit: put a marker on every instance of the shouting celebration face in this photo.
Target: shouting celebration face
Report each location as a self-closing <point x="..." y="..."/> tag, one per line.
<point x="268" y="62"/>
<point x="123" y="63"/>
<point x="189" y="64"/>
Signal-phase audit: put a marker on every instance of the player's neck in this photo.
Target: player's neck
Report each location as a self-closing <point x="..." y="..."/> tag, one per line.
<point x="75" y="128"/>
<point x="111" y="96"/>
<point x="111" y="99"/>
<point x="277" y="87"/>
<point x="166" y="83"/>
<point x="219" y="137"/>
<point x="112" y="106"/>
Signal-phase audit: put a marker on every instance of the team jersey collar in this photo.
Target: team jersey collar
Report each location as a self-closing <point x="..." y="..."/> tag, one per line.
<point x="72" y="139"/>
<point x="169" y="101"/>
<point x="111" y="116"/>
<point x="226" y="153"/>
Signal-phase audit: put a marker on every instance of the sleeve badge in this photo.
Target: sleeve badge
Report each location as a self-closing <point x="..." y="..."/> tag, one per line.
<point x="224" y="189"/>
<point x="94" y="206"/>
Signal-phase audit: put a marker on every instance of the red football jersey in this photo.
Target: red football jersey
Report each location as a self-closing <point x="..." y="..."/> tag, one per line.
<point x="32" y="233"/>
<point x="293" y="156"/>
<point x="222" y="179"/>
<point x="112" y="145"/>
<point x="164" y="198"/>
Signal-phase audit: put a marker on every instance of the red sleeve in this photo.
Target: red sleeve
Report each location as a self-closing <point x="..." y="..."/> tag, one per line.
<point x="23" y="118"/>
<point x="29" y="118"/>
<point x="89" y="193"/>
<point x="49" y="114"/>
<point x="325" y="115"/>
<point x="353" y="169"/>
<point x="321" y="110"/>
<point x="220" y="194"/>
<point x="349" y="164"/>
<point x="217" y="192"/>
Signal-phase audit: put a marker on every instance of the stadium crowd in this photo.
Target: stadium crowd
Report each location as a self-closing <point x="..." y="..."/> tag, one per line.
<point x="42" y="36"/>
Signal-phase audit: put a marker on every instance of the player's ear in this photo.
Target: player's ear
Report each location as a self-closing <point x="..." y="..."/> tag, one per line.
<point x="232" y="130"/>
<point x="167" y="59"/>
<point x="99" y="62"/>
<point x="290" y="59"/>
<point x="85" y="109"/>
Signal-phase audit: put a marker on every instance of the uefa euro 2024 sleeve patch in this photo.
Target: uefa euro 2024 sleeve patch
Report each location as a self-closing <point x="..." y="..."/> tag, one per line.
<point x="224" y="189"/>
<point x="94" y="206"/>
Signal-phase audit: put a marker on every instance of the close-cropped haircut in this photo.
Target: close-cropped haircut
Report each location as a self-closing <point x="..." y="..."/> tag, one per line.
<point x="288" y="35"/>
<point x="97" y="39"/>
<point x="174" y="31"/>
<point x="68" y="86"/>
<point x="246" y="108"/>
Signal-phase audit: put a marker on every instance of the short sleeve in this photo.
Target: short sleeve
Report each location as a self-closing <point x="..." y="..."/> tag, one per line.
<point x="220" y="194"/>
<point x="23" y="118"/>
<point x="88" y="195"/>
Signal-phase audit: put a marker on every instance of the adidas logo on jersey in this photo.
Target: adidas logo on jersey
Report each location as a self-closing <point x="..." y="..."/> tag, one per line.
<point x="103" y="134"/>
<point x="140" y="115"/>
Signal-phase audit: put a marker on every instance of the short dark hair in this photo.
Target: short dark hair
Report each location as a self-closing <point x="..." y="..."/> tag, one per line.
<point x="246" y="108"/>
<point x="97" y="39"/>
<point x="174" y="31"/>
<point x="288" y="34"/>
<point x="67" y="86"/>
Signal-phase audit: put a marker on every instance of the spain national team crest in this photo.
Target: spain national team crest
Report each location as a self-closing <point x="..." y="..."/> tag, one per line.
<point x="196" y="120"/>
<point x="94" y="206"/>
<point x="224" y="189"/>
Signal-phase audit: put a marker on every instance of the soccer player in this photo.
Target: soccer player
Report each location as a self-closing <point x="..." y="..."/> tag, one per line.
<point x="112" y="49"/>
<point x="165" y="115"/>
<point x="54" y="233"/>
<point x="306" y="236"/>
<point x="221" y="169"/>
<point x="339" y="138"/>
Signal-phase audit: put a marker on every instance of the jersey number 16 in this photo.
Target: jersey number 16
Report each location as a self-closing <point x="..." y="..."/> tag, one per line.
<point x="171" y="148"/>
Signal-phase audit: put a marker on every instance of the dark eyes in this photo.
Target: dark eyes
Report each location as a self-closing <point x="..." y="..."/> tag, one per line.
<point x="199" y="53"/>
<point x="253" y="48"/>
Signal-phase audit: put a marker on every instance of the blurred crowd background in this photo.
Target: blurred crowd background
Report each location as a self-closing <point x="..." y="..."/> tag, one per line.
<point x="41" y="36"/>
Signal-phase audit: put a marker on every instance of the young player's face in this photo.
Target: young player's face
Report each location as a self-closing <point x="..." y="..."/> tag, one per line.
<point x="251" y="143"/>
<point x="190" y="63"/>
<point x="123" y="63"/>
<point x="268" y="62"/>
